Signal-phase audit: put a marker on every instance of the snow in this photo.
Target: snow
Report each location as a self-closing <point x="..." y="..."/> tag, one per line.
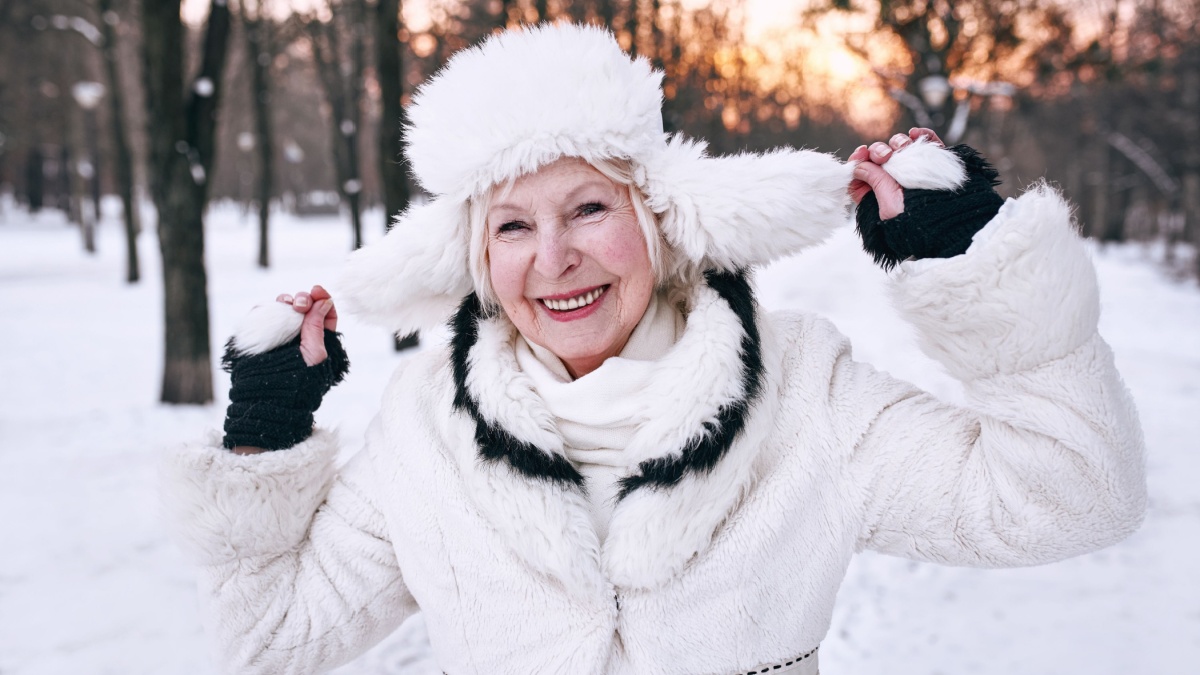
<point x="90" y="582"/>
<point x="204" y="87"/>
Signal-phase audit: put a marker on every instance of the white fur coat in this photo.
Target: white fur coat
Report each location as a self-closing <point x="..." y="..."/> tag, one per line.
<point x="306" y="565"/>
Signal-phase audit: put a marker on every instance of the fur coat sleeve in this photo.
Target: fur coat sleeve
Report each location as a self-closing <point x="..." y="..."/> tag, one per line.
<point x="1045" y="459"/>
<point x="298" y="573"/>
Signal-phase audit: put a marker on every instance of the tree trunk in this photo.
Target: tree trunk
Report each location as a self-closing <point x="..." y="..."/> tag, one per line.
<point x="67" y="190"/>
<point x="389" y="70"/>
<point x="1098" y="187"/>
<point x="632" y="23"/>
<point x="182" y="147"/>
<point x="358" y="57"/>
<point x="259" y="51"/>
<point x="344" y="97"/>
<point x="1190" y="207"/>
<point x="35" y="178"/>
<point x="607" y="12"/>
<point x="124" y="156"/>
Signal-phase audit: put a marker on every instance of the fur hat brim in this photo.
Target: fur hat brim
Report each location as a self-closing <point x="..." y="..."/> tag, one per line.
<point x="723" y="213"/>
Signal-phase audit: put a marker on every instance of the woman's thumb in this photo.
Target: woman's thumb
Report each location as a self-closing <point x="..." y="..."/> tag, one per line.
<point x="312" y="333"/>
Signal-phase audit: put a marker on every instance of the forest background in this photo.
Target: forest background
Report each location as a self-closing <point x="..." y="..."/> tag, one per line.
<point x="241" y="147"/>
<point x="299" y="105"/>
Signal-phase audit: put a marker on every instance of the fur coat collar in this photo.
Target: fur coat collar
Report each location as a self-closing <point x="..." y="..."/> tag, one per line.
<point x="693" y="454"/>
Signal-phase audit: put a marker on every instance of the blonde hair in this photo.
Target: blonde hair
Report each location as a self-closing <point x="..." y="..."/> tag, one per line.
<point x="619" y="171"/>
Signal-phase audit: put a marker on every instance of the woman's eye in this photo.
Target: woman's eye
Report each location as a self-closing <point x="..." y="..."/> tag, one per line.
<point x="511" y="226"/>
<point x="591" y="209"/>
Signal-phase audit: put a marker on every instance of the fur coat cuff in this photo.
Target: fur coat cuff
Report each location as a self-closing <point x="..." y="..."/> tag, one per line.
<point x="1023" y="294"/>
<point x="224" y="506"/>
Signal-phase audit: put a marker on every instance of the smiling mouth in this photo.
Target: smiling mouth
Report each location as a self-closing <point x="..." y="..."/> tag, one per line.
<point x="577" y="302"/>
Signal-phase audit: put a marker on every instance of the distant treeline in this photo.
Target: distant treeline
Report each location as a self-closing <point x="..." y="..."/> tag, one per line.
<point x="1101" y="99"/>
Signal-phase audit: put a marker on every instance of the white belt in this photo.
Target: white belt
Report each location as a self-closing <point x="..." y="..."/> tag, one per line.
<point x="804" y="664"/>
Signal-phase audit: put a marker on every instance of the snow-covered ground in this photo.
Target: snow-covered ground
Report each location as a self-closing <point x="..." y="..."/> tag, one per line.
<point x="91" y="584"/>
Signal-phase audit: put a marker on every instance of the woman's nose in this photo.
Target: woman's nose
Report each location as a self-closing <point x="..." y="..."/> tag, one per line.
<point x="556" y="255"/>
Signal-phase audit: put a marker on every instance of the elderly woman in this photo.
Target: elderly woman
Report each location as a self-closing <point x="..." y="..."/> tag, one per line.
<point x="619" y="464"/>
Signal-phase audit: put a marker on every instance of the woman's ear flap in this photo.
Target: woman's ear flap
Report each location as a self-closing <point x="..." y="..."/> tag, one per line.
<point x="414" y="277"/>
<point x="745" y="210"/>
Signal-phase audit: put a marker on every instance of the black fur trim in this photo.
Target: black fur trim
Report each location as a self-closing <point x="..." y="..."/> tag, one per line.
<point x="707" y="448"/>
<point x="700" y="454"/>
<point x="495" y="443"/>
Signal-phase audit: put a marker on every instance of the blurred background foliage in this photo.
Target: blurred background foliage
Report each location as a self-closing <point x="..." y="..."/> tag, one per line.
<point x="298" y="104"/>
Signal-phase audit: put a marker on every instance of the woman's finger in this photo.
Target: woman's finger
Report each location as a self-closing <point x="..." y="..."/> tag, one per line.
<point x="887" y="191"/>
<point x="312" y="333"/>
<point x="928" y="134"/>
<point x="880" y="152"/>
<point x="857" y="188"/>
<point x="331" y="316"/>
<point x="898" y="141"/>
<point x="303" y="302"/>
<point x="318" y="292"/>
<point x="284" y="297"/>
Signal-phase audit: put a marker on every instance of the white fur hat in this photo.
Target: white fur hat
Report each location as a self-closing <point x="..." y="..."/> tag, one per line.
<point x="524" y="98"/>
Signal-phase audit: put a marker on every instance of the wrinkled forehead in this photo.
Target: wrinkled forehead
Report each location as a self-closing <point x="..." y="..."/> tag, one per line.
<point x="551" y="185"/>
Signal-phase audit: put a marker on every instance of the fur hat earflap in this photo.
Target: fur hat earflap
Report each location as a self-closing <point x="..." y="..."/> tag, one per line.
<point x="415" y="276"/>
<point x="745" y="210"/>
<point x="524" y="98"/>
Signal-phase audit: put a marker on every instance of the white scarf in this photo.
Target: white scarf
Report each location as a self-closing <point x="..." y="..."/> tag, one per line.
<point x="598" y="413"/>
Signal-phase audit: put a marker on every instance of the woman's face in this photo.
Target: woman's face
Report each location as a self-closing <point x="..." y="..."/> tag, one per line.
<point x="568" y="262"/>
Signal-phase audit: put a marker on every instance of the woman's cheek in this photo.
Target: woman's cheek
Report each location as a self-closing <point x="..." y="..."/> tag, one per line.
<point x="507" y="267"/>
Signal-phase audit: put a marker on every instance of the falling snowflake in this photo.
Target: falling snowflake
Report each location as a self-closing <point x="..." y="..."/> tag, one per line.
<point x="204" y="87"/>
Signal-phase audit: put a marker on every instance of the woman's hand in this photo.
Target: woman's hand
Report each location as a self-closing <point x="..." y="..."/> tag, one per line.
<point x="319" y="315"/>
<point x="869" y="175"/>
<point x="274" y="394"/>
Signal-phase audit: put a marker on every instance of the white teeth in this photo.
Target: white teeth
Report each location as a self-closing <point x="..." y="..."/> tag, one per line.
<point x="574" y="303"/>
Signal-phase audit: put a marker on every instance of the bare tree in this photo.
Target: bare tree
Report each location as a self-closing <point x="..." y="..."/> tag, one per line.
<point x="181" y="128"/>
<point x="260" y="53"/>
<point x="389" y="70"/>
<point x="341" y="69"/>
<point x="123" y="155"/>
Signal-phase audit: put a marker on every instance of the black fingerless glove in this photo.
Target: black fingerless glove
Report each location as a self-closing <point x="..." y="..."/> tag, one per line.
<point x="274" y="394"/>
<point x="935" y="223"/>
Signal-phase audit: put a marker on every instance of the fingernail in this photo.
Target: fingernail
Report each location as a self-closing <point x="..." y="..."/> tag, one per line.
<point x="301" y="301"/>
<point x="881" y="150"/>
<point x="859" y="148"/>
<point x="901" y="139"/>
